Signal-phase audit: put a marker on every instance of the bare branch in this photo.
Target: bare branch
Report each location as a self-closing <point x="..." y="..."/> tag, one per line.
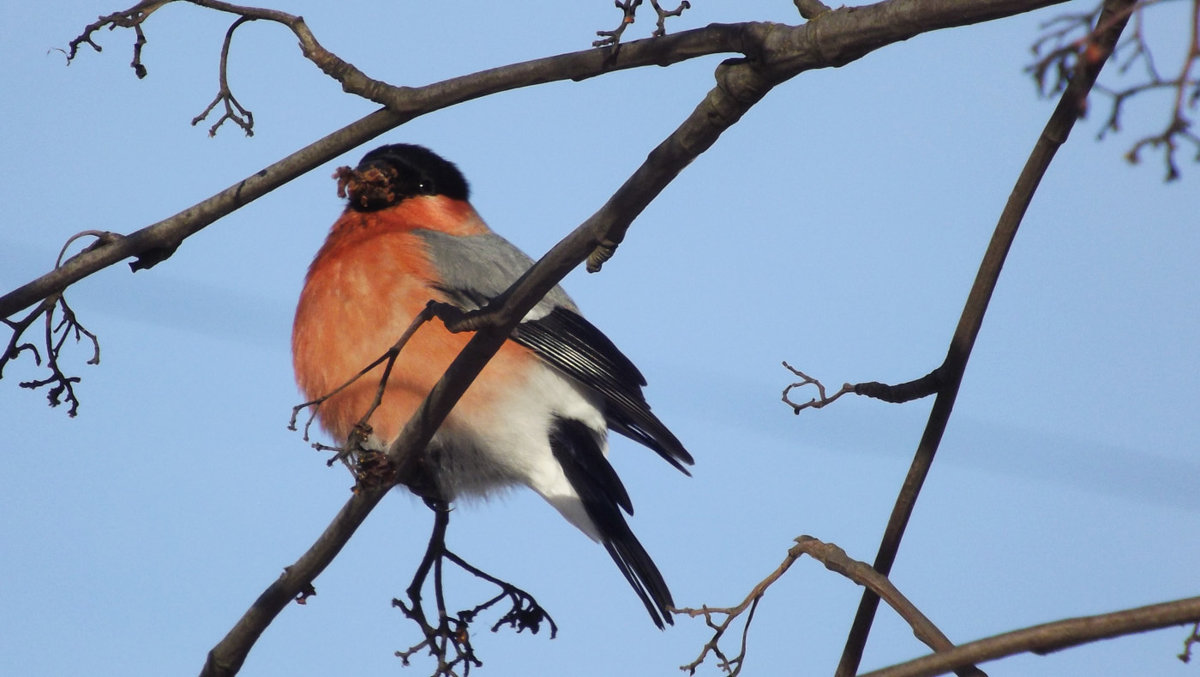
<point x="130" y="18"/>
<point x="1074" y="44"/>
<point x="242" y="117"/>
<point x="1050" y="637"/>
<point x="18" y="327"/>
<point x="660" y="28"/>
<point x="925" y="386"/>
<point x="817" y="402"/>
<point x="1188" y="642"/>
<point x="628" y="16"/>
<point x="1054" y="134"/>
<point x="55" y="336"/>
<point x="733" y="666"/>
<point x="847" y="34"/>
<point x="836" y="560"/>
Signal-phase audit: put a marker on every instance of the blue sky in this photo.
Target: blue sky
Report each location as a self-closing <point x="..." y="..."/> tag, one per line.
<point x="838" y="227"/>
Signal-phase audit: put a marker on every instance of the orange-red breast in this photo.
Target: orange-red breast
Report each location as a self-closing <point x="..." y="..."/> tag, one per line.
<point x="539" y="412"/>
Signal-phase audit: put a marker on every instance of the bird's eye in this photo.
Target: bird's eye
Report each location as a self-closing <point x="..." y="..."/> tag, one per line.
<point x="425" y="187"/>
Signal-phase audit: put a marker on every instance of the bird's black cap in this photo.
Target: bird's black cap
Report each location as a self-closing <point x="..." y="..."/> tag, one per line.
<point x="391" y="174"/>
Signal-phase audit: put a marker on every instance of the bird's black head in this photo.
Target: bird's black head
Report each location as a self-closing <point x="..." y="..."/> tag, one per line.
<point x="391" y="174"/>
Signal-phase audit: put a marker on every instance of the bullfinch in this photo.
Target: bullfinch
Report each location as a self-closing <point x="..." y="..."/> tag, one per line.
<point x="539" y="412"/>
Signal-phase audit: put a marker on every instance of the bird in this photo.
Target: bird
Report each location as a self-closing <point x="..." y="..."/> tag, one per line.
<point x="537" y="415"/>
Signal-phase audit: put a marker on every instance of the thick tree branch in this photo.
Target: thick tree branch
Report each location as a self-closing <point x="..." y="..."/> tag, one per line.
<point x="1111" y="22"/>
<point x="837" y="38"/>
<point x="1050" y="637"/>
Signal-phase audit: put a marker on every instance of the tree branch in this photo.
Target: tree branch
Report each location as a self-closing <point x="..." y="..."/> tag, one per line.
<point x="840" y="37"/>
<point x="836" y="560"/>
<point x="773" y="54"/>
<point x="1050" y="637"/>
<point x="927" y="385"/>
<point x="241" y="117"/>
<point x="1112" y="21"/>
<point x="739" y="86"/>
<point x="1063" y="59"/>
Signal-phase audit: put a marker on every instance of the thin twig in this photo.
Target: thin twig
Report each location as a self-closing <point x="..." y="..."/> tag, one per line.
<point x="55" y="336"/>
<point x="815" y="403"/>
<point x="362" y="429"/>
<point x="242" y="117"/>
<point x="130" y="18"/>
<point x="628" y="16"/>
<point x="899" y="393"/>
<point x="1191" y="640"/>
<point x="660" y="27"/>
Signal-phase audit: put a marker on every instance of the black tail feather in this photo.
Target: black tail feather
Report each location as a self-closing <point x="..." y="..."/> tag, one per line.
<point x="577" y="448"/>
<point x="643" y="576"/>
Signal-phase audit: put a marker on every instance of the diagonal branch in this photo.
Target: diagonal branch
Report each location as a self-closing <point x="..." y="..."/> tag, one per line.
<point x="1070" y="105"/>
<point x="836" y="560"/>
<point x="1050" y="637"/>
<point x="843" y="35"/>
<point x="739" y="86"/>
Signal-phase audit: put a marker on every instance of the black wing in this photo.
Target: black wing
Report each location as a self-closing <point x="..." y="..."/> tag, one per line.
<point x="473" y="270"/>
<point x="574" y="346"/>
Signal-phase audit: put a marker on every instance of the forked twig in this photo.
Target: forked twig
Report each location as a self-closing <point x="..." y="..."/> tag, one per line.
<point x="629" y="16"/>
<point x="835" y="559"/>
<point x="242" y="117"/>
<point x="1191" y="640"/>
<point x="130" y="18"/>
<point x="55" y="335"/>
